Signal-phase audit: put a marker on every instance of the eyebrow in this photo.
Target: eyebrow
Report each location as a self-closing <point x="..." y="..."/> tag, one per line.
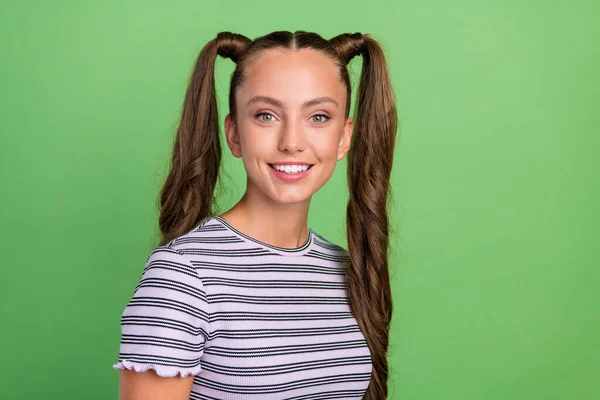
<point x="278" y="103"/>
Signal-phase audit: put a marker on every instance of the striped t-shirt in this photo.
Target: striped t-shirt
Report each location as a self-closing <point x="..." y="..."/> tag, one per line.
<point x="248" y="319"/>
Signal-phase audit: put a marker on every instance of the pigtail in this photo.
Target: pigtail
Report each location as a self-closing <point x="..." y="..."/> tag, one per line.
<point x="187" y="195"/>
<point x="370" y="160"/>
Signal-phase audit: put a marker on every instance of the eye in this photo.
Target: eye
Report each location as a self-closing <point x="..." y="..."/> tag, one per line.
<point x="264" y="113"/>
<point x="320" y="115"/>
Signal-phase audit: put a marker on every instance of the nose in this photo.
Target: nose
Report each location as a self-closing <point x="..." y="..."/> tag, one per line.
<point x="292" y="136"/>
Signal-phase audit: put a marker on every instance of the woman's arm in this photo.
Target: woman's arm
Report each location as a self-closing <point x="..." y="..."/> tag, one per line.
<point x="164" y="328"/>
<point x="148" y="385"/>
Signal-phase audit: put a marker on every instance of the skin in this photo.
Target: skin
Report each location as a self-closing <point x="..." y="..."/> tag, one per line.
<point x="272" y="210"/>
<point x="149" y="386"/>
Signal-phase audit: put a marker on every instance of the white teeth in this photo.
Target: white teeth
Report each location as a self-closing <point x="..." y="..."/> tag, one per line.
<point x="291" y="169"/>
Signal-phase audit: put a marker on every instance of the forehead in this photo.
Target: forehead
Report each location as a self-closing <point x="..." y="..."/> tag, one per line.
<point x="292" y="75"/>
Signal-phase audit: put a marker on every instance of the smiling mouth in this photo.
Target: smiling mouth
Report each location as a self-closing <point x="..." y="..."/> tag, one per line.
<point x="309" y="167"/>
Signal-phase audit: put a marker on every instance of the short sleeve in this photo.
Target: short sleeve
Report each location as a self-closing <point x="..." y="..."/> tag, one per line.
<point x="165" y="325"/>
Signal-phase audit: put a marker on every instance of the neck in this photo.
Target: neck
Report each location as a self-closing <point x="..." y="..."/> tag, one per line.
<point x="282" y="225"/>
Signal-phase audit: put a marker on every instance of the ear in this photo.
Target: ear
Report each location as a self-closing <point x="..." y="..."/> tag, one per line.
<point x="233" y="139"/>
<point x="345" y="140"/>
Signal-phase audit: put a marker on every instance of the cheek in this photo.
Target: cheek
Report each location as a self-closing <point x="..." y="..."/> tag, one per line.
<point x="257" y="150"/>
<point x="327" y="146"/>
<point x="254" y="143"/>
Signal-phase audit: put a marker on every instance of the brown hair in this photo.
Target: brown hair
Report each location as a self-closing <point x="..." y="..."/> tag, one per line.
<point x="188" y="194"/>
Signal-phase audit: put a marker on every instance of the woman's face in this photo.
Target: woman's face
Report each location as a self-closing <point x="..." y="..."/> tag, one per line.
<point x="290" y="108"/>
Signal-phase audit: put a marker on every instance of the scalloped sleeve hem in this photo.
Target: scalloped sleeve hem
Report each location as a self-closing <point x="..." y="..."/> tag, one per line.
<point x="161" y="370"/>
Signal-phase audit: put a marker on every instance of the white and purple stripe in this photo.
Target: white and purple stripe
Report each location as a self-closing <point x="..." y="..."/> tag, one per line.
<point x="249" y="320"/>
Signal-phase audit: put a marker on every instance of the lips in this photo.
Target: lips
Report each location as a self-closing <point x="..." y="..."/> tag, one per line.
<point x="291" y="177"/>
<point x="309" y="165"/>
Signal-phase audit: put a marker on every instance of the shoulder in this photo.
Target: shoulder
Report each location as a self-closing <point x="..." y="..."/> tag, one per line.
<point x="204" y="234"/>
<point x="181" y="253"/>
<point x="190" y="251"/>
<point x="166" y="255"/>
<point x="327" y="247"/>
<point x="165" y="263"/>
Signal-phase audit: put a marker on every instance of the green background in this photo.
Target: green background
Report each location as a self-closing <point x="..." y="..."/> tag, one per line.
<point x="495" y="184"/>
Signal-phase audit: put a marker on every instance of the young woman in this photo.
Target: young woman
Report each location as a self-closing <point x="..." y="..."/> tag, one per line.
<point x="253" y="303"/>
